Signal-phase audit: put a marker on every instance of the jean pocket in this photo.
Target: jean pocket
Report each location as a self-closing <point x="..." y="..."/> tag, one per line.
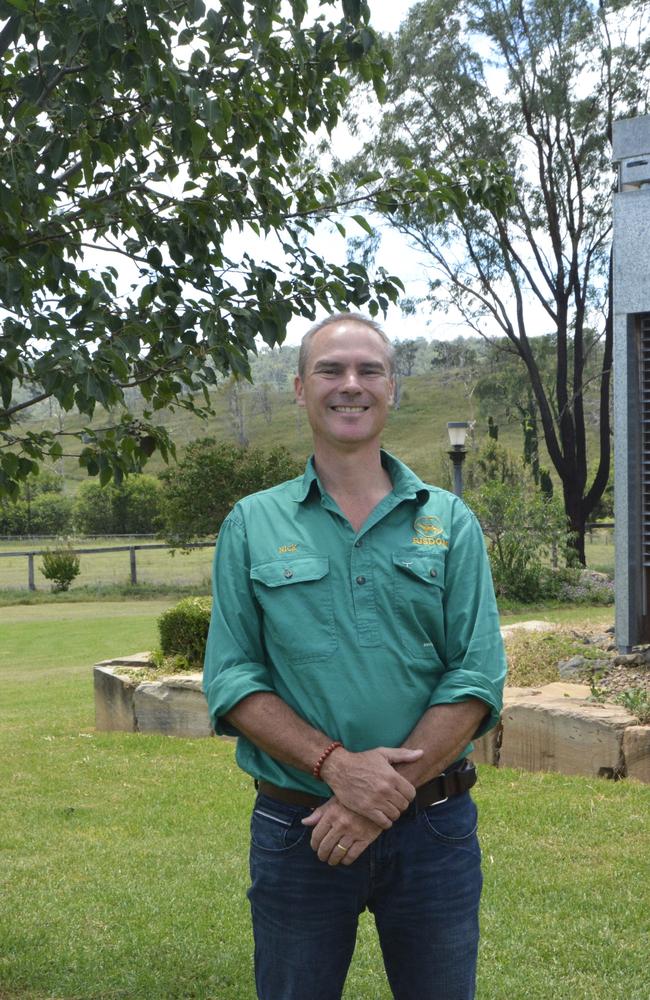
<point x="454" y="821"/>
<point x="276" y="827"/>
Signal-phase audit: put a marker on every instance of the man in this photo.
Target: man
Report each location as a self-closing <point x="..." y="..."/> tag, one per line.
<point x="355" y="651"/>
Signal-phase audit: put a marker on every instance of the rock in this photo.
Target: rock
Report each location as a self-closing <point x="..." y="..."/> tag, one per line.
<point x="175" y="706"/>
<point x="562" y="689"/>
<point x="571" y="736"/>
<point x="572" y="667"/>
<point x="625" y="659"/>
<point x="531" y="626"/>
<point x="135" y="661"/>
<point x="636" y="750"/>
<point x="114" y="707"/>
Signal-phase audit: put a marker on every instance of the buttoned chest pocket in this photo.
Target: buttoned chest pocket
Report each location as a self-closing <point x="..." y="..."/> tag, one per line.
<point x="296" y="598"/>
<point x="419" y="581"/>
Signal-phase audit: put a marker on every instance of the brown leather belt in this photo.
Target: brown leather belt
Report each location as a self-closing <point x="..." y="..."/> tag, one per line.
<point x="458" y="778"/>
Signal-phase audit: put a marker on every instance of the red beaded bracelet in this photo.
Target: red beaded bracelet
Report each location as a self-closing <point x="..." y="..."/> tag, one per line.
<point x="323" y="757"/>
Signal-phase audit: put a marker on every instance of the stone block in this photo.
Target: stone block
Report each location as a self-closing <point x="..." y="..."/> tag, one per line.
<point x="564" y="689"/>
<point x="636" y="750"/>
<point x="486" y="748"/>
<point x="570" y="736"/>
<point x="175" y="706"/>
<point x="114" y="708"/>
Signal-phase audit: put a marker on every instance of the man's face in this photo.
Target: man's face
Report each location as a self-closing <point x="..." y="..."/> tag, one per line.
<point x="347" y="388"/>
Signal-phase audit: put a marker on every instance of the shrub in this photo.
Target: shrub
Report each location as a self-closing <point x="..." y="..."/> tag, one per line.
<point x="209" y="480"/>
<point x="522" y="528"/>
<point x="183" y="632"/>
<point x="132" y="508"/>
<point x="61" y="565"/>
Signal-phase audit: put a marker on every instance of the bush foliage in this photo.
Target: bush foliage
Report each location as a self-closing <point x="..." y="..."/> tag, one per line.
<point x="40" y="509"/>
<point x="525" y="530"/>
<point x="210" y="479"/>
<point x="61" y="566"/>
<point x="183" y="632"/>
<point x="132" y="508"/>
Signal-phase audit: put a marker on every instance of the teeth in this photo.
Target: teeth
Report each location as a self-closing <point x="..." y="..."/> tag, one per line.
<point x="349" y="409"/>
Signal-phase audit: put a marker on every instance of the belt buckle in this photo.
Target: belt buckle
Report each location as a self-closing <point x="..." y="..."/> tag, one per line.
<point x="439" y="802"/>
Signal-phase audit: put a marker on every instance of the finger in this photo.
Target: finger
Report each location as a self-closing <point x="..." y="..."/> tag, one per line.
<point x="400" y="755"/>
<point x="380" y="818"/>
<point x="328" y="843"/>
<point x="338" y="853"/>
<point x="314" y="817"/>
<point x="354" y="852"/>
<point x="318" y="835"/>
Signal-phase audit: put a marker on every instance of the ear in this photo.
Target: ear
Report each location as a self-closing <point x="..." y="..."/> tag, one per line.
<point x="391" y="391"/>
<point x="299" y="390"/>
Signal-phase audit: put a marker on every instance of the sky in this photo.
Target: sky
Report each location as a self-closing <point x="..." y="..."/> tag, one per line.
<point x="395" y="254"/>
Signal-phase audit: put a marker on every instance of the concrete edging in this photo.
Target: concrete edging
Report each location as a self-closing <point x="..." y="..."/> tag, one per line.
<point x="550" y="728"/>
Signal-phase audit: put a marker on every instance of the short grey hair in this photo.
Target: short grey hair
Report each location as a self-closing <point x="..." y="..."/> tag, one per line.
<point x="339" y="318"/>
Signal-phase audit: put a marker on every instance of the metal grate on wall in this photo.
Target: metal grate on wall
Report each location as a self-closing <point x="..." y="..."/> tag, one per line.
<point x="645" y="430"/>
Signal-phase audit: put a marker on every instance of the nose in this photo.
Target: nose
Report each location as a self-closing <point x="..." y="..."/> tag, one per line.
<point x="351" y="381"/>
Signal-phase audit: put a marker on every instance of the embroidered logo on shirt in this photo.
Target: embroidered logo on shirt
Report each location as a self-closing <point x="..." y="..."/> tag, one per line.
<point x="428" y="530"/>
<point x="287" y="548"/>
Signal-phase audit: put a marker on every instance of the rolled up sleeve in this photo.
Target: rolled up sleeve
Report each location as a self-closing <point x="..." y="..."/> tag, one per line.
<point x="475" y="661"/>
<point x="234" y="664"/>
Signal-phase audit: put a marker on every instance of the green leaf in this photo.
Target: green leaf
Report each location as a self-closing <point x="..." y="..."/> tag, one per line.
<point x="365" y="225"/>
<point x="199" y="138"/>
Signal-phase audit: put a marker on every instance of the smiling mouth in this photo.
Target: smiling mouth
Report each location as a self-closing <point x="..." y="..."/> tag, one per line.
<point x="349" y="409"/>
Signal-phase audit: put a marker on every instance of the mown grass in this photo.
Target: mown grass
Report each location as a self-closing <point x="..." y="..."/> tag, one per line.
<point x="111" y="569"/>
<point x="123" y="857"/>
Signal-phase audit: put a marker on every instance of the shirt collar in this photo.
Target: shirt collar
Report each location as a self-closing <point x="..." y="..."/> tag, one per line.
<point x="406" y="485"/>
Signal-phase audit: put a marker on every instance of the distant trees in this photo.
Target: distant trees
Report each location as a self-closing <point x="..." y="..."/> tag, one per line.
<point x="41" y="508"/>
<point x="130" y="508"/>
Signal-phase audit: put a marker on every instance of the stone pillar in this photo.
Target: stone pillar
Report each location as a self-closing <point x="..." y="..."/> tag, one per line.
<point x="631" y="312"/>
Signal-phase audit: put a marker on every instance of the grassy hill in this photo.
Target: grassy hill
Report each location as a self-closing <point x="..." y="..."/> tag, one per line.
<point x="416" y="432"/>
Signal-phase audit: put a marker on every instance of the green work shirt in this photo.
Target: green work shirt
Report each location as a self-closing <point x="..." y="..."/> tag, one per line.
<point x="359" y="632"/>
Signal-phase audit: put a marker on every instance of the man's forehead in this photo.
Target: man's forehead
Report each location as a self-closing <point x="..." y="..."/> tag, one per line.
<point x="343" y="339"/>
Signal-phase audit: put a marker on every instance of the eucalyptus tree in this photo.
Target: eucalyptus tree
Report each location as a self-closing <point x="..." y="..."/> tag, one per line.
<point x="537" y="83"/>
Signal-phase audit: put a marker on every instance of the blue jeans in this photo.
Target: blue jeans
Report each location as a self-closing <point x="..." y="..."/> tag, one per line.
<point x="421" y="880"/>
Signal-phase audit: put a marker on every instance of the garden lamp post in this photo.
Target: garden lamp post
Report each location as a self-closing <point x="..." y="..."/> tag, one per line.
<point x="457" y="430"/>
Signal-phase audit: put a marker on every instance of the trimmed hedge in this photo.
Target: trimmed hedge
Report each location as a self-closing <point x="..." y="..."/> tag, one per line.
<point x="183" y="631"/>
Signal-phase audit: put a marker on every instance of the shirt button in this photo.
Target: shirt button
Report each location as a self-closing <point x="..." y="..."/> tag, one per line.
<point x="433" y="572"/>
<point x="361" y="579"/>
<point x="288" y="573"/>
<point x="358" y="543"/>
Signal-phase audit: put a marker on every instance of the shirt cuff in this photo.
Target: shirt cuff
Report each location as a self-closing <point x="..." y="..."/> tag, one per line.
<point x="460" y="685"/>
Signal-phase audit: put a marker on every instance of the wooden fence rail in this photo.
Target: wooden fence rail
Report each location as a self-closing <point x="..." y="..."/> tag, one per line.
<point x="131" y="549"/>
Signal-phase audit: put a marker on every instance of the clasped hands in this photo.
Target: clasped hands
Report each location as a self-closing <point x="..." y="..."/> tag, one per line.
<point x="369" y="795"/>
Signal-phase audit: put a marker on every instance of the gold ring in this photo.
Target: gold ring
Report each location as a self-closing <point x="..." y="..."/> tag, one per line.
<point x="342" y="848"/>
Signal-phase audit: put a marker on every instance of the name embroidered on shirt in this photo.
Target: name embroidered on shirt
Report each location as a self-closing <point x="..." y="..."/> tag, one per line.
<point x="287" y="548"/>
<point x="430" y="541"/>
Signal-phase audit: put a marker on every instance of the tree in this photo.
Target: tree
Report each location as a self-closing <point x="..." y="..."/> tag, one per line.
<point x="130" y="508"/>
<point x="148" y="132"/>
<point x="40" y="508"/>
<point x="210" y="478"/>
<point x="538" y="84"/>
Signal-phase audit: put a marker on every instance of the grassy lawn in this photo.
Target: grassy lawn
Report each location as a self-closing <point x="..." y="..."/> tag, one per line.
<point x="153" y="566"/>
<point x="123" y="857"/>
